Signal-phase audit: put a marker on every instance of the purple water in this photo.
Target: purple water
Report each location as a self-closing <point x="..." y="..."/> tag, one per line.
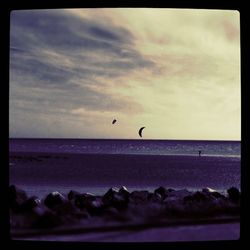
<point x="148" y="147"/>
<point x="95" y="165"/>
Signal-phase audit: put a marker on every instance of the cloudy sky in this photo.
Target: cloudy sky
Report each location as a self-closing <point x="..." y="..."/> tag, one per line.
<point x="176" y="72"/>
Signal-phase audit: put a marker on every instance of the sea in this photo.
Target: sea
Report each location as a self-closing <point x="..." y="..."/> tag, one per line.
<point x="41" y="166"/>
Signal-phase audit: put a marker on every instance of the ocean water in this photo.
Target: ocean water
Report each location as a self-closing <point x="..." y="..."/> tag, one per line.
<point x="41" y="166"/>
<point x="106" y="146"/>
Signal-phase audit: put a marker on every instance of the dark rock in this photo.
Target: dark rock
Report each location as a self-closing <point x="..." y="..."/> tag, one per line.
<point x="139" y="196"/>
<point x="95" y="207"/>
<point x="110" y="212"/>
<point x="48" y="220"/>
<point x="110" y="193"/>
<point x="233" y="194"/>
<point x="217" y="195"/>
<point x="82" y="199"/>
<point x="66" y="208"/>
<point x="213" y="193"/>
<point x="116" y="198"/>
<point x="163" y="192"/>
<point x="208" y="190"/>
<point x="89" y="202"/>
<point x="170" y="190"/>
<point x="16" y="198"/>
<point x="154" y="197"/>
<point x="196" y="197"/>
<point x="40" y="210"/>
<point x="124" y="192"/>
<point x="53" y="199"/>
<point x="73" y="194"/>
<point x="30" y="204"/>
<point x="178" y="194"/>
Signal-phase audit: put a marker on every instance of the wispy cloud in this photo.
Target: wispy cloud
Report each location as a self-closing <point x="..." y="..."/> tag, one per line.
<point x="167" y="68"/>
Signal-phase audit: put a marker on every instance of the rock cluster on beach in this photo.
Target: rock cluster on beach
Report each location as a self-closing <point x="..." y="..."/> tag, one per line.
<point x="119" y="205"/>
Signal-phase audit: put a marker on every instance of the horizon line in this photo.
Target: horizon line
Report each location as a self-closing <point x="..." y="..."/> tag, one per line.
<point x="68" y="138"/>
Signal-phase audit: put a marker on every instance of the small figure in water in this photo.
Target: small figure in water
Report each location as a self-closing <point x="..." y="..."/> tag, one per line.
<point x="199" y="152"/>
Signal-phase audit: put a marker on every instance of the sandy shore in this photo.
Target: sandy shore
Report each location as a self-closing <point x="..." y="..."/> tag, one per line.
<point x="133" y="171"/>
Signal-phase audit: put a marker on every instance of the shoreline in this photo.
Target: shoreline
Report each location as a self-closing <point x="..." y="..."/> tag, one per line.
<point x="136" y="171"/>
<point x="13" y="154"/>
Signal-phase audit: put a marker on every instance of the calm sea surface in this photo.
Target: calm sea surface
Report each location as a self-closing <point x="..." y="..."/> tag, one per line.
<point x="43" y="165"/>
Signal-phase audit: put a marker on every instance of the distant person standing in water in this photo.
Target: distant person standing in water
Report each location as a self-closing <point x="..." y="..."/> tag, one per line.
<point x="199" y="152"/>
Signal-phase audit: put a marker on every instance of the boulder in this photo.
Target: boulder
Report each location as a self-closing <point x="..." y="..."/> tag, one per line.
<point x="178" y="194"/>
<point x="139" y="196"/>
<point x="208" y="190"/>
<point x="162" y="191"/>
<point x="110" y="193"/>
<point x="48" y="219"/>
<point x="233" y="194"/>
<point x="73" y="194"/>
<point x="89" y="202"/>
<point x="155" y="197"/>
<point x="124" y="192"/>
<point x="82" y="200"/>
<point x="30" y="204"/>
<point x="116" y="198"/>
<point x="213" y="193"/>
<point x="54" y="199"/>
<point x="95" y="207"/>
<point x="197" y="197"/>
<point x="16" y="198"/>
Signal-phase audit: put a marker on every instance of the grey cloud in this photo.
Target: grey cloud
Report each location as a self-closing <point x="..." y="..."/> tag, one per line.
<point x="59" y="30"/>
<point x="40" y="85"/>
<point x="72" y="37"/>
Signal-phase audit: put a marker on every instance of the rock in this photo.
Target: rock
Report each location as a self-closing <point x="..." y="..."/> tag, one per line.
<point x="110" y="212"/>
<point x="154" y="197"/>
<point x="16" y="198"/>
<point x="110" y="193"/>
<point x="73" y="194"/>
<point x="208" y="190"/>
<point x="64" y="209"/>
<point x="30" y="204"/>
<point x="178" y="194"/>
<point x="233" y="194"/>
<point x="213" y="193"/>
<point x="116" y="198"/>
<point x="162" y="191"/>
<point x="197" y="197"/>
<point x="95" y="207"/>
<point x="48" y="220"/>
<point x="93" y="204"/>
<point x="82" y="199"/>
<point x="39" y="210"/>
<point x="139" y="196"/>
<point x="217" y="195"/>
<point x="54" y="199"/>
<point x="124" y="192"/>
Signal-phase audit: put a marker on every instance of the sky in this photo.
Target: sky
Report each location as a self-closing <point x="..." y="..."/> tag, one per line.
<point x="174" y="71"/>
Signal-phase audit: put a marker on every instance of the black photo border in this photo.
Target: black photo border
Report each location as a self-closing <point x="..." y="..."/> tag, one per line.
<point x="10" y="5"/>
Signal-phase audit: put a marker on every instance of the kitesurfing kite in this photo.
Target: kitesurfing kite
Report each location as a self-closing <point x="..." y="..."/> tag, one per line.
<point x="140" y="131"/>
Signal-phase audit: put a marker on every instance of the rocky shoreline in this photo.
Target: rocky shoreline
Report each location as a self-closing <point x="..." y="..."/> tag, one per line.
<point x="120" y="207"/>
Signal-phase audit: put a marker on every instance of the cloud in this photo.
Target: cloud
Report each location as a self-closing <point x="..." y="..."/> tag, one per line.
<point x="65" y="61"/>
<point x="169" y="69"/>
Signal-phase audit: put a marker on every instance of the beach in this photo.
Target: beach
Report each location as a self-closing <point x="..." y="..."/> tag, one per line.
<point x="40" y="173"/>
<point x="109" y="193"/>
